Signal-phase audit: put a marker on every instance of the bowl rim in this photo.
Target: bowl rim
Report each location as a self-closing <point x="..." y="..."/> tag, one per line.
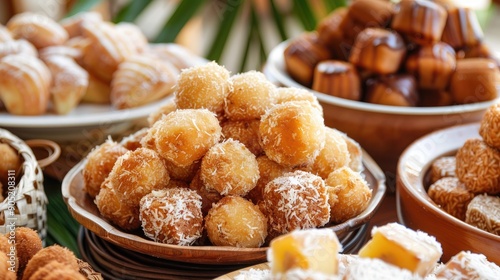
<point x="418" y="170"/>
<point x="203" y="254"/>
<point x="276" y="69"/>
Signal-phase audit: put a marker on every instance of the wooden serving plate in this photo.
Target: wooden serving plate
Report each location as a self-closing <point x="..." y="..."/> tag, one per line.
<point x="84" y="210"/>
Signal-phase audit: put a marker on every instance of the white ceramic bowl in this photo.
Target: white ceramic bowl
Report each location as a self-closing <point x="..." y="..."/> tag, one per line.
<point x="383" y="131"/>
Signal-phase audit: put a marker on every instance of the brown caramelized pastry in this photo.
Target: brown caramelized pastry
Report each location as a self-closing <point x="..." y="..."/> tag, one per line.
<point x="451" y="195"/>
<point x="378" y="50"/>
<point x="484" y="212"/>
<point x="443" y="167"/>
<point x="395" y="90"/>
<point x="475" y="80"/>
<point x="422" y="21"/>
<point x="433" y="98"/>
<point x="38" y="29"/>
<point x="108" y="48"/>
<point x="337" y="78"/>
<point x="20" y="46"/>
<point x="140" y="80"/>
<point x="366" y="13"/>
<point x="478" y="167"/>
<point x="302" y="55"/>
<point x="432" y="66"/>
<point x="69" y="83"/>
<point x="462" y="28"/>
<point x="5" y="34"/>
<point x="490" y="126"/>
<point x="332" y="36"/>
<point x="481" y="50"/>
<point x="24" y="84"/>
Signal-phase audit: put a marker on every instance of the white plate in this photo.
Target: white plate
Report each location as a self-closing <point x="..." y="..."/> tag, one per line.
<point x="84" y="120"/>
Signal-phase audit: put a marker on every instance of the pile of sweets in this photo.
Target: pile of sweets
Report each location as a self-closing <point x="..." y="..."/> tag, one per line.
<point x="233" y="161"/>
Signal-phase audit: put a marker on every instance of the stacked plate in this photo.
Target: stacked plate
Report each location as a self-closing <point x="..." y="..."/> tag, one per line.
<point x="115" y="262"/>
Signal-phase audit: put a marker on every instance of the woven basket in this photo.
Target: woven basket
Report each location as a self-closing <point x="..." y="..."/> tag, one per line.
<point x="26" y="203"/>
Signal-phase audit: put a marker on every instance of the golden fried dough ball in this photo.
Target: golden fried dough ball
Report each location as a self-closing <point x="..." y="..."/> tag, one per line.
<point x="40" y="30"/>
<point x="112" y="208"/>
<point x="184" y="136"/>
<point x="490" y="126"/>
<point x="478" y="167"/>
<point x="268" y="170"/>
<point x="48" y="254"/>
<point x="293" y="133"/>
<point x="4" y="244"/>
<point x="247" y="132"/>
<point x="251" y="96"/>
<point x="205" y="86"/>
<point x="132" y="142"/>
<point x="235" y="221"/>
<point x="28" y="243"/>
<point x="208" y="197"/>
<point x="5" y="268"/>
<point x="11" y="162"/>
<point x="286" y="94"/>
<point x="137" y="173"/>
<point x="100" y="162"/>
<point x="182" y="173"/>
<point x="352" y="192"/>
<point x="160" y="112"/>
<point x="355" y="153"/>
<point x="172" y="216"/>
<point x="229" y="168"/>
<point x="55" y="270"/>
<point x="296" y="200"/>
<point x="334" y="155"/>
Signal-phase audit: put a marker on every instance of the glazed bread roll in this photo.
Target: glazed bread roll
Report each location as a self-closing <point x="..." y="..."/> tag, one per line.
<point x="5" y="34"/>
<point x="39" y="29"/>
<point x="17" y="47"/>
<point x="24" y="84"/>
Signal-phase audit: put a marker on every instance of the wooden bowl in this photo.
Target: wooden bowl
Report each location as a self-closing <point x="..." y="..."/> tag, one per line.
<point x="83" y="209"/>
<point x="383" y="131"/>
<point x="417" y="211"/>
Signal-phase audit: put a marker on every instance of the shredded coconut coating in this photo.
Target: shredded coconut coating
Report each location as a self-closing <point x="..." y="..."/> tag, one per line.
<point x="172" y="216"/>
<point x="355" y="153"/>
<point x="351" y="192"/>
<point x="333" y="156"/>
<point x="247" y="132"/>
<point x="287" y="94"/>
<point x="160" y="112"/>
<point x="451" y="195"/>
<point x="296" y="200"/>
<point x="229" y="168"/>
<point x="112" y="208"/>
<point x="99" y="163"/>
<point x="293" y="133"/>
<point x="478" y="166"/>
<point x="141" y="80"/>
<point x="137" y="173"/>
<point x="248" y="230"/>
<point x="133" y="141"/>
<point x="205" y="86"/>
<point x="443" y="167"/>
<point x="185" y="135"/>
<point x="490" y="126"/>
<point x="467" y="265"/>
<point x="368" y="269"/>
<point x="484" y="212"/>
<point x="183" y="173"/>
<point x="268" y="170"/>
<point x="252" y="94"/>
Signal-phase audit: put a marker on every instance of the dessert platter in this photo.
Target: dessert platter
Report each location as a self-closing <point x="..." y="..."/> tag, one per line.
<point x="376" y="70"/>
<point x="259" y="174"/>
<point x="450" y="177"/>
